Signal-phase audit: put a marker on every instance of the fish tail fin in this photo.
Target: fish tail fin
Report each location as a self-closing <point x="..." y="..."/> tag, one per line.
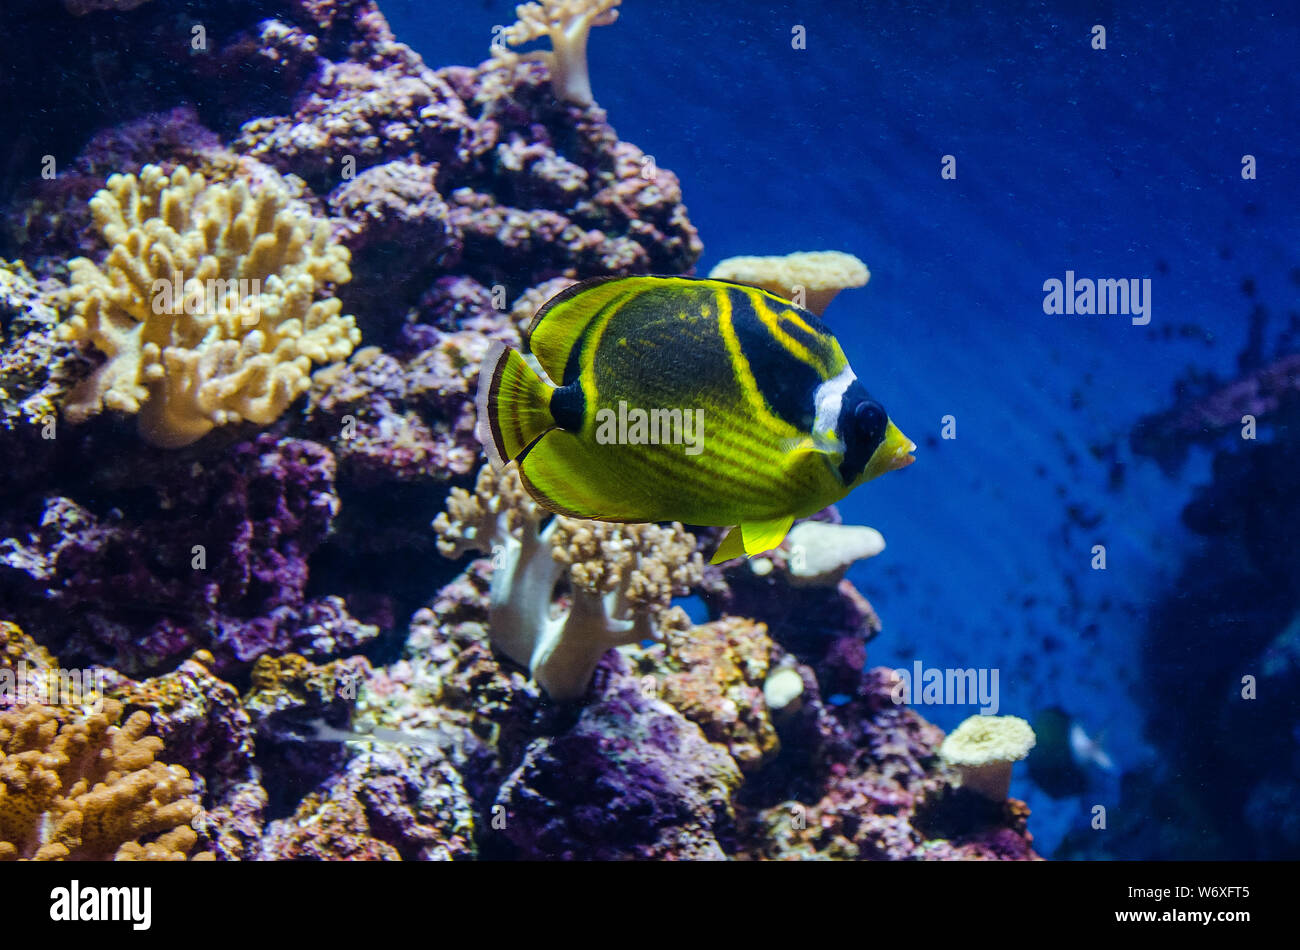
<point x="513" y="403"/>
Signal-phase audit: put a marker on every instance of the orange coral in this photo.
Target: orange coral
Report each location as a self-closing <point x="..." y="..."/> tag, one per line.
<point x="81" y="786"/>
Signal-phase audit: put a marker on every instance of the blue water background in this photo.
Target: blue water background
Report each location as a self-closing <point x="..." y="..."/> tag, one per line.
<point x="1118" y="163"/>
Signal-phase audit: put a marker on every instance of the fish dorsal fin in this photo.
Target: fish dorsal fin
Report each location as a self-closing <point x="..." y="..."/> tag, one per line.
<point x="562" y="321"/>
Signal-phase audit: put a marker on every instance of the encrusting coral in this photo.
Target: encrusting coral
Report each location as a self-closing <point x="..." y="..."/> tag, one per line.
<point x="983" y="749"/>
<point x="622" y="578"/>
<point x="206" y="304"/>
<point x="567" y="24"/>
<point x="84" y="787"/>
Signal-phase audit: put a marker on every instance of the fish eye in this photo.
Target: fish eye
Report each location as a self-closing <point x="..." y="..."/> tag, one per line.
<point x="869" y="420"/>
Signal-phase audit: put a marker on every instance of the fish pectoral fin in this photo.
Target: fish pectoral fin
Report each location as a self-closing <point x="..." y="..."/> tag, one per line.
<point x="808" y="444"/>
<point x="732" y="545"/>
<point x="753" y="537"/>
<point x="760" y="536"/>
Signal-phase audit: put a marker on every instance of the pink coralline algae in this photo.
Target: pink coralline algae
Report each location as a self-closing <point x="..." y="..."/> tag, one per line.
<point x="633" y="778"/>
<point x="216" y="558"/>
<point x="389" y="804"/>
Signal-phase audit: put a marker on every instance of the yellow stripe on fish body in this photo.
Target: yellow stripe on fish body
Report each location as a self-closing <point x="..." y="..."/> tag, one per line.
<point x="680" y="399"/>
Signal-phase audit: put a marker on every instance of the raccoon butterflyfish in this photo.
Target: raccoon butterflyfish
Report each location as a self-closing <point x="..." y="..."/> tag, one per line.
<point x="683" y="399"/>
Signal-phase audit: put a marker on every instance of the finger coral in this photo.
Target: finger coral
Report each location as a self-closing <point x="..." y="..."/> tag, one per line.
<point x="206" y="304"/>
<point x="567" y="24"/>
<point x="84" y="787"/>
<point x="622" y="578"/>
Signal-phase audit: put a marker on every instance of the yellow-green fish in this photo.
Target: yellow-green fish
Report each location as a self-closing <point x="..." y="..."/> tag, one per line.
<point x="683" y="399"/>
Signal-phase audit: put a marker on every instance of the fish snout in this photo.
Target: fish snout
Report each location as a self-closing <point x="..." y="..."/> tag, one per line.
<point x="898" y="449"/>
<point x="894" y="452"/>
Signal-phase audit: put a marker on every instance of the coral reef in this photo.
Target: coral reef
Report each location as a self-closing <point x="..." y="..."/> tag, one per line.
<point x="206" y="305"/>
<point x="217" y="558"/>
<point x="621" y="578"/>
<point x="632" y="779"/>
<point x="87" y="787"/>
<point x="875" y="794"/>
<point x="714" y="675"/>
<point x="389" y="804"/>
<point x="793" y="583"/>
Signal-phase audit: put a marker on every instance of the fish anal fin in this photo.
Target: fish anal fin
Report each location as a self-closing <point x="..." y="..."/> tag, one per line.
<point x="760" y="536"/>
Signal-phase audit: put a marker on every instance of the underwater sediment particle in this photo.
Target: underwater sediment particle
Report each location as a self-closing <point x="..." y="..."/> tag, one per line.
<point x="206" y="307"/>
<point x="622" y="578"/>
<point x="391" y="803"/>
<point x="87" y="787"/>
<point x="632" y="779"/>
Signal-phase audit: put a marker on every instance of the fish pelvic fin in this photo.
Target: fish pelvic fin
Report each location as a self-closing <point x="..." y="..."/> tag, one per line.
<point x="752" y="537"/>
<point x="732" y="545"/>
<point x="513" y="405"/>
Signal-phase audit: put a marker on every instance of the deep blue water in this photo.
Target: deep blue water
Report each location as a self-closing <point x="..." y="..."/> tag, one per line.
<point x="1116" y="163"/>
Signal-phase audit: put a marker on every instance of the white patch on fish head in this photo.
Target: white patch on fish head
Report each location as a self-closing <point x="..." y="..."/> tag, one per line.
<point x="827" y="400"/>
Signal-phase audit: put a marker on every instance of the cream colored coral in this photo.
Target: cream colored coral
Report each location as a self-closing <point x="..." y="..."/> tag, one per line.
<point x="821" y="553"/>
<point x="82" y="787"/>
<point x="622" y="578"/>
<point x="567" y="23"/>
<point x="983" y="749"/>
<point x="819" y="274"/>
<point x="206" y="307"/>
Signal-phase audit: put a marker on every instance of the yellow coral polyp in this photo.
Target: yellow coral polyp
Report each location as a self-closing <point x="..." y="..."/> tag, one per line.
<point x="206" y="306"/>
<point x="83" y="787"/>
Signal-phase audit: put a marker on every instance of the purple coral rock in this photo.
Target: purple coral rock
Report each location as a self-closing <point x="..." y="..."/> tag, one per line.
<point x="394" y="803"/>
<point x="218" y="560"/>
<point x="632" y="779"/>
<point x="397" y="203"/>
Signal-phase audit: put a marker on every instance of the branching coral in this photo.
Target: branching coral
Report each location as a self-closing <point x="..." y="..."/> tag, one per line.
<point x="622" y="578"/>
<point x="567" y="24"/>
<point x="206" y="305"/>
<point x="83" y="787"/>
